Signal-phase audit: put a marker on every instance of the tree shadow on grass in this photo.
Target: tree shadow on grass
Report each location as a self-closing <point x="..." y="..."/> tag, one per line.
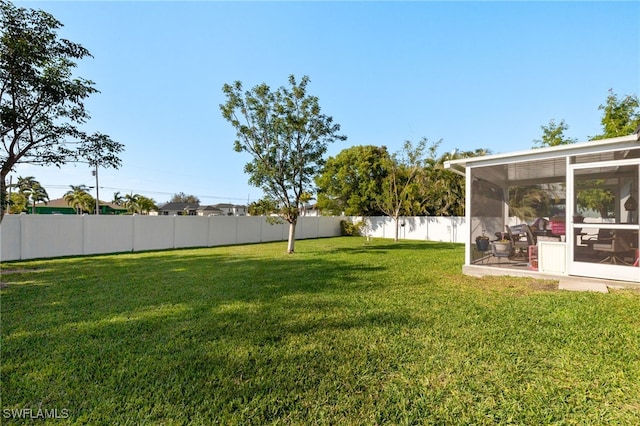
<point x="99" y="288"/>
<point x="195" y="326"/>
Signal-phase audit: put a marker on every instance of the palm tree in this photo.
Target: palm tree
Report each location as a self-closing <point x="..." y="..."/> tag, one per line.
<point x="31" y="189"/>
<point x="145" y="204"/>
<point x="131" y="202"/>
<point x="117" y="199"/>
<point x="79" y="198"/>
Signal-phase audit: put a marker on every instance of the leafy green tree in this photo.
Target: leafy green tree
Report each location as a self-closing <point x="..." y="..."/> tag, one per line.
<point x="528" y="202"/>
<point x="41" y="101"/>
<point x="403" y="175"/>
<point x="286" y="135"/>
<point x="351" y="181"/>
<point x="620" y="117"/>
<point x="79" y="198"/>
<point x="592" y="196"/>
<point x="263" y="207"/>
<point x="553" y="135"/>
<point x="441" y="192"/>
<point x="181" y="197"/>
<point x="17" y="203"/>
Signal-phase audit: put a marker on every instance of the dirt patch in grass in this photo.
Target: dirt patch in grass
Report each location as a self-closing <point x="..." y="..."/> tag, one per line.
<point x="544" y="285"/>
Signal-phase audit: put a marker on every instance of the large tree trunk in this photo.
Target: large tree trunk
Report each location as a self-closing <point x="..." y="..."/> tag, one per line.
<point x="4" y="201"/>
<point x="292" y="237"/>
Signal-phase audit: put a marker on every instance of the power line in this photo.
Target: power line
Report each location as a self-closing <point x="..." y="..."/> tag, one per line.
<point x="127" y="190"/>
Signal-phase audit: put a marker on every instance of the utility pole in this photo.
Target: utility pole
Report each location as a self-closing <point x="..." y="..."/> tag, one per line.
<point x="95" y="173"/>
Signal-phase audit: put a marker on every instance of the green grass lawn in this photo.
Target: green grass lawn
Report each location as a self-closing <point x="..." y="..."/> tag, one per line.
<point x="342" y="332"/>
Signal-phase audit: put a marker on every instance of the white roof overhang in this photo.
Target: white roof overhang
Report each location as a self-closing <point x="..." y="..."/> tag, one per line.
<point x="544" y="164"/>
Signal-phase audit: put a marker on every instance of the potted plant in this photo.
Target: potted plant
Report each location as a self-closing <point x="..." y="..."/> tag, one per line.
<point x="482" y="242"/>
<point x="501" y="248"/>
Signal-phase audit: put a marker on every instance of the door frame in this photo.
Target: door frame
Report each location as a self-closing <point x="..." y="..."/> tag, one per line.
<point x="588" y="269"/>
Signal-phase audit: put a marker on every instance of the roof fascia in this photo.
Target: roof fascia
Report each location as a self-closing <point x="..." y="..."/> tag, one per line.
<point x="589" y="147"/>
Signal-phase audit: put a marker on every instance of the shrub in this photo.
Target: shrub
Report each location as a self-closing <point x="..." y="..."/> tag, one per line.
<point x="350" y="229"/>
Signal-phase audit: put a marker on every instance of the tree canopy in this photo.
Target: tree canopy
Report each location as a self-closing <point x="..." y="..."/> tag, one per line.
<point x="41" y="101"/>
<point x="350" y="181"/>
<point x="79" y="198"/>
<point x="286" y="135"/>
<point x="181" y="197"/>
<point x="553" y="135"/>
<point x="620" y="116"/>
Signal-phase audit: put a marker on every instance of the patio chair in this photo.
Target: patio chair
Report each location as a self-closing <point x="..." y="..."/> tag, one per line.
<point x="521" y="237"/>
<point x="615" y="247"/>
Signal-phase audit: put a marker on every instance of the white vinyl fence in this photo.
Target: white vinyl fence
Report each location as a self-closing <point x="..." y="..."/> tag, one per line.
<point x="39" y="236"/>
<point x="424" y="228"/>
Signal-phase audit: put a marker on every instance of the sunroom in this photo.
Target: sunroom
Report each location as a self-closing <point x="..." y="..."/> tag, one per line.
<point x="568" y="210"/>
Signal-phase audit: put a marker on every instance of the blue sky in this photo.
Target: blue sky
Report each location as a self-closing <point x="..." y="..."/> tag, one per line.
<point x="473" y="74"/>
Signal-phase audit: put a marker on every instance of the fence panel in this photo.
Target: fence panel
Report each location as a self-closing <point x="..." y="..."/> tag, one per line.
<point x="191" y="231"/>
<point x="248" y="230"/>
<point x="223" y="230"/>
<point x="10" y="237"/>
<point x="273" y="232"/>
<point x="51" y="236"/>
<point x="107" y="234"/>
<point x="153" y="232"/>
<point x="425" y="228"/>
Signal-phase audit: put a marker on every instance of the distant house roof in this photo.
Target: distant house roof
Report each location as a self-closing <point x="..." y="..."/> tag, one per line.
<point x="229" y="206"/>
<point x="178" y="205"/>
<point x="58" y="202"/>
<point x="209" y="209"/>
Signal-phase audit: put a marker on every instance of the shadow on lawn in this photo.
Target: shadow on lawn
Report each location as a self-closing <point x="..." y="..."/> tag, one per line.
<point x="99" y="289"/>
<point x="135" y="326"/>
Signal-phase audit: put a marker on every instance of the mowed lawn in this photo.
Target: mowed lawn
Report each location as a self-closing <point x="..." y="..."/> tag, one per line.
<point x="342" y="332"/>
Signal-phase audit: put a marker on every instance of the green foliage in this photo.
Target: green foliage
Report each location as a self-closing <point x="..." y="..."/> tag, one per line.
<point x="181" y="197"/>
<point x="441" y="192"/>
<point x="350" y="181"/>
<point x="263" y="207"/>
<point x="620" y="117"/>
<point x="79" y="198"/>
<point x="17" y="203"/>
<point x="41" y="102"/>
<point x="592" y="195"/>
<point x="32" y="191"/>
<point x="402" y="181"/>
<point x="286" y="136"/>
<point x="139" y="204"/>
<point x="528" y="202"/>
<point x="344" y="333"/>
<point x="361" y="179"/>
<point x="553" y="135"/>
<point x="350" y="229"/>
